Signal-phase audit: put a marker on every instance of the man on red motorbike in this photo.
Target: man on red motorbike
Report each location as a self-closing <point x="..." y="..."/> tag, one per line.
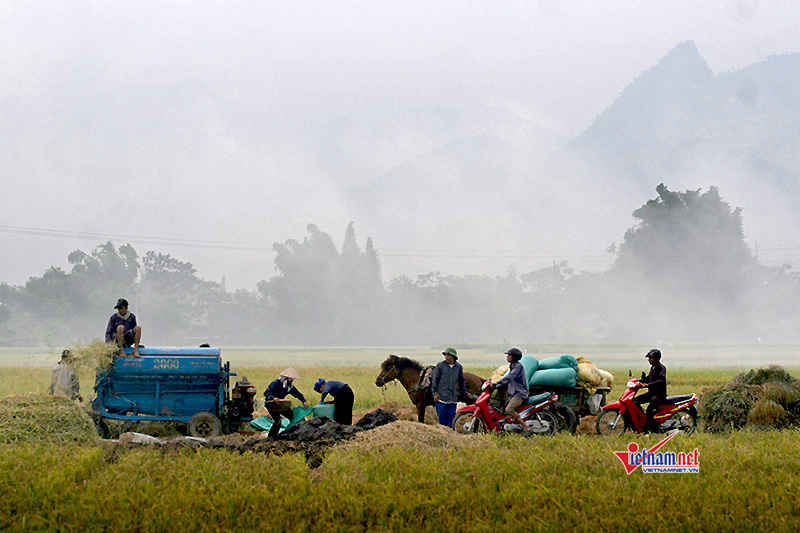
<point x="517" y="386"/>
<point x="656" y="387"/>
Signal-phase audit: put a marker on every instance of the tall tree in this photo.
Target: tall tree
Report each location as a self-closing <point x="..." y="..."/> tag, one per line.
<point x="687" y="255"/>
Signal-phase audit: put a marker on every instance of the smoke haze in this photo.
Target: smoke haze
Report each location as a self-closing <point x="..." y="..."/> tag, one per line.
<point x="464" y="139"/>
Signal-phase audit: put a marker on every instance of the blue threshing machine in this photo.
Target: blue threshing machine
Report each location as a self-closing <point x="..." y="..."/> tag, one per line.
<point x="189" y="385"/>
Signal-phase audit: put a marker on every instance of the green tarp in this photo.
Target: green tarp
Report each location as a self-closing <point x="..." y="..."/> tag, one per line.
<point x="298" y="415"/>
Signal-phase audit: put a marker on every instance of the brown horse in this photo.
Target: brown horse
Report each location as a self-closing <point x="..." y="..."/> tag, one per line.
<point x="407" y="372"/>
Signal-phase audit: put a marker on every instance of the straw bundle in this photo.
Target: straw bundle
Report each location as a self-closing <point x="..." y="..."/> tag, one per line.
<point x="410" y="435"/>
<point x="34" y="418"/>
<point x="726" y="407"/>
<point x="96" y="356"/>
<point x="767" y="397"/>
<point x="766" y="414"/>
<point x="771" y="374"/>
<point x="782" y="393"/>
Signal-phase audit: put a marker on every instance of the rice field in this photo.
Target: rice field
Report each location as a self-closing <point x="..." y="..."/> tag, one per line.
<point x="403" y="477"/>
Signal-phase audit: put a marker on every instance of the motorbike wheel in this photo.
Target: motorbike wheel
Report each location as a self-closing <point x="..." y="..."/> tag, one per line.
<point x="610" y="423"/>
<point x="685" y="421"/>
<point x="552" y="423"/>
<point x="567" y="421"/>
<point x="466" y="423"/>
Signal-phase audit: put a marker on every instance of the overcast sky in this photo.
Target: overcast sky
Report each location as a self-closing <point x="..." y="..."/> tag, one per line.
<point x="551" y="64"/>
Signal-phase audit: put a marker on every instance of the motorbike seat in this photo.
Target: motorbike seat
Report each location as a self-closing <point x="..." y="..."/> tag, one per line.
<point x="538" y="398"/>
<point x="678" y="399"/>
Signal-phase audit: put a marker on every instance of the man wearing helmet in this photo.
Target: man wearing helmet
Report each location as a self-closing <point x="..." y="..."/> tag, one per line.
<point x="656" y="384"/>
<point x="517" y="386"/>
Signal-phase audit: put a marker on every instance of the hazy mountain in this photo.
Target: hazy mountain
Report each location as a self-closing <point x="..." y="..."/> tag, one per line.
<point x="471" y="174"/>
<point x="681" y="124"/>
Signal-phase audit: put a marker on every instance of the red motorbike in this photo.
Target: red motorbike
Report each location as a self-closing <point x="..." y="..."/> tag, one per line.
<point x="676" y="413"/>
<point x="482" y="416"/>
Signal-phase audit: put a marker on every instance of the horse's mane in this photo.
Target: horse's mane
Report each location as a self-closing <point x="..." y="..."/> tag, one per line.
<point x="402" y="363"/>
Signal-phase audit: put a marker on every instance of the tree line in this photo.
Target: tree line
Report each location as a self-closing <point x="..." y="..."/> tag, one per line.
<point x="683" y="272"/>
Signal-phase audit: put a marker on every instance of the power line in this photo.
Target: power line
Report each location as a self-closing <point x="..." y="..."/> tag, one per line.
<point x="411" y="253"/>
<point x="187" y="243"/>
<point x="233" y="245"/>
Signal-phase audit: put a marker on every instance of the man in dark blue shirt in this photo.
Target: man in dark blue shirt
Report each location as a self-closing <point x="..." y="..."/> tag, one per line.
<point x="278" y="390"/>
<point x="342" y="396"/>
<point x="517" y="386"/>
<point x="122" y="328"/>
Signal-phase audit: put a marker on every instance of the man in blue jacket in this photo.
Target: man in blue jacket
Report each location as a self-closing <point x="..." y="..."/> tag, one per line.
<point x="447" y="383"/>
<point x="517" y="386"/>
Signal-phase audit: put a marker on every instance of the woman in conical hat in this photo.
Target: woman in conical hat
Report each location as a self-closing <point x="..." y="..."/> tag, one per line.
<point x="278" y="390"/>
<point x="290" y="373"/>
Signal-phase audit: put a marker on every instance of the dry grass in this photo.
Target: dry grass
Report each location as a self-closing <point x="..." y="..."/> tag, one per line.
<point x="410" y="435"/>
<point x="764" y="398"/>
<point x="96" y="356"/>
<point x="766" y="414"/>
<point x="35" y="418"/>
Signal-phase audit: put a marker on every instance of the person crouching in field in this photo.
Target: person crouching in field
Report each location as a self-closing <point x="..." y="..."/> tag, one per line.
<point x="63" y="380"/>
<point x="342" y="396"/>
<point x="277" y="390"/>
<point x="447" y="385"/>
<point x="122" y="328"/>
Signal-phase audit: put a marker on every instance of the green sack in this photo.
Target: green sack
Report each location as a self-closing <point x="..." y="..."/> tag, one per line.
<point x="530" y="364"/>
<point x="555" y="377"/>
<point x="298" y="415"/>
<point x="562" y="361"/>
<point x="323" y="409"/>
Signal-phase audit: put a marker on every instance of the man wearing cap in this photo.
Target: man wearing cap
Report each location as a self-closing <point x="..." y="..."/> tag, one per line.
<point x="342" y="396"/>
<point x="122" y="328"/>
<point x="447" y="384"/>
<point x="517" y="386"/>
<point x="63" y="380"/>
<point x="277" y="390"/>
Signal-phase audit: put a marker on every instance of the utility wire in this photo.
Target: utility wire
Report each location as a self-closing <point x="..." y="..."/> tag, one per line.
<point x="387" y="252"/>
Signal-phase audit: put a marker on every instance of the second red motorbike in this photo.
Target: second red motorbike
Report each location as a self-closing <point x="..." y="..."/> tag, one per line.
<point x="676" y="413"/>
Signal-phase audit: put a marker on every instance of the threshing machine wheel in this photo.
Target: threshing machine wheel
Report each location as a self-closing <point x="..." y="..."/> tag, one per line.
<point x="204" y="425"/>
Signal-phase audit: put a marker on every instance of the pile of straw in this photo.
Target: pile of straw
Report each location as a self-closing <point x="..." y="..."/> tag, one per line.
<point x="410" y="435"/>
<point x="36" y="418"/>
<point x="758" y="399"/>
<point x="96" y="356"/>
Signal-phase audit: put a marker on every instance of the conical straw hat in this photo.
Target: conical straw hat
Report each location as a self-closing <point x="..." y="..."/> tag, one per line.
<point x="290" y="373"/>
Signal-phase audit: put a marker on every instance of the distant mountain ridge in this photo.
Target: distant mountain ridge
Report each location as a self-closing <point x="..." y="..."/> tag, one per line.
<point x="678" y="111"/>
